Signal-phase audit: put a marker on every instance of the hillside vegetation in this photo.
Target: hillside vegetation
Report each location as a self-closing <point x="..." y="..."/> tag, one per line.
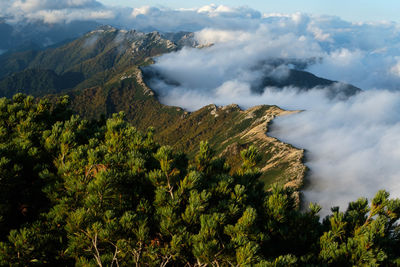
<point x="102" y="193"/>
<point x="228" y="129"/>
<point x="97" y="56"/>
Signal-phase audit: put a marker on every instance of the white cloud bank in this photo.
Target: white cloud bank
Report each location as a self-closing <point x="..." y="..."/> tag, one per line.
<point x="54" y="11"/>
<point x="353" y="145"/>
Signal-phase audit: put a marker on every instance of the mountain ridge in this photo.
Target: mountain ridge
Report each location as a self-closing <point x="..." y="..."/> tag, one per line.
<point x="112" y="61"/>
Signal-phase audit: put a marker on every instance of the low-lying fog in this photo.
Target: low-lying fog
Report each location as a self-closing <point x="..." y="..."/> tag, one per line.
<point x="353" y="144"/>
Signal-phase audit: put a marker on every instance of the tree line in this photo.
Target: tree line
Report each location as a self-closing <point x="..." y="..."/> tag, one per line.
<point x="101" y="193"/>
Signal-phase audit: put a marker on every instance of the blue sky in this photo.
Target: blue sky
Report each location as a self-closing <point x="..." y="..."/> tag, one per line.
<point x="352" y="10"/>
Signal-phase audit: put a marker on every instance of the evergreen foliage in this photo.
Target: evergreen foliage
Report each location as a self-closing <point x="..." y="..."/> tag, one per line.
<point x="101" y="193"/>
<point x="38" y="82"/>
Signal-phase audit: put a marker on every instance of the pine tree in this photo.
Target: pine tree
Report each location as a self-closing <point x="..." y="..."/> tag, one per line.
<point x="101" y="193"/>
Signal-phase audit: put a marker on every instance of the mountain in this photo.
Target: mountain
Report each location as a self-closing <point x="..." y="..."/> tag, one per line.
<point x="304" y="81"/>
<point x="38" y="82"/>
<point x="228" y="129"/>
<point x="106" y="71"/>
<point x="98" y="56"/>
<point x="103" y="53"/>
<point x="5" y="33"/>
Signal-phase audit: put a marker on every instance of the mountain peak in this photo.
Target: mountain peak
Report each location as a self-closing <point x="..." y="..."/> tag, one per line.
<point x="104" y="28"/>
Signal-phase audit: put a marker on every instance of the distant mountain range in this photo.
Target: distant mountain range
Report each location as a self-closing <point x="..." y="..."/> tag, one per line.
<point x="90" y="60"/>
<point x="305" y="81"/>
<point x="26" y="35"/>
<point x="277" y="77"/>
<point x="102" y="73"/>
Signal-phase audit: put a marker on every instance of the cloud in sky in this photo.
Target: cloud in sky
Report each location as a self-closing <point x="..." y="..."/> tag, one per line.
<point x="54" y="11"/>
<point x="35" y="5"/>
<point x="141" y="18"/>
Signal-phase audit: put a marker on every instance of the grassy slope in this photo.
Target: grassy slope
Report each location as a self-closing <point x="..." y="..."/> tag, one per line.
<point x="228" y="129"/>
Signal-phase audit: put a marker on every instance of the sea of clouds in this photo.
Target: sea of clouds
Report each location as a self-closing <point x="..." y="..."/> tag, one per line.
<point x="353" y="145"/>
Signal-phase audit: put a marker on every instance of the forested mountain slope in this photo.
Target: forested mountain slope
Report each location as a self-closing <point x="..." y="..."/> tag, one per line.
<point x="121" y="179"/>
<point x="97" y="56"/>
<point x="79" y="193"/>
